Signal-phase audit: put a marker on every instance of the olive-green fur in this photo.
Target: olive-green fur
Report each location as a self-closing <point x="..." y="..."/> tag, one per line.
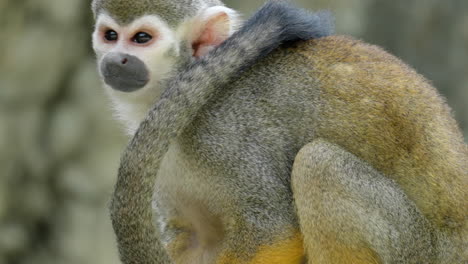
<point x="378" y="108"/>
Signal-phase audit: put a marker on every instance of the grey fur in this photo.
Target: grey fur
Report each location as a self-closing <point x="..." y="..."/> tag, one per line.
<point x="276" y="23"/>
<point x="124" y="72"/>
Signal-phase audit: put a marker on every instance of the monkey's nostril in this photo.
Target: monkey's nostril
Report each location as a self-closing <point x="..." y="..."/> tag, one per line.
<point x="124" y="61"/>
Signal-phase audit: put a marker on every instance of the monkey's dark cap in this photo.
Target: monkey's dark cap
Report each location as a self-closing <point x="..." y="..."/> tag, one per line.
<point x="125" y="11"/>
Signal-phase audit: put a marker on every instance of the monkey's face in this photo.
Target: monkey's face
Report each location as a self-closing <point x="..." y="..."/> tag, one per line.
<point x="131" y="57"/>
<point x="135" y="57"/>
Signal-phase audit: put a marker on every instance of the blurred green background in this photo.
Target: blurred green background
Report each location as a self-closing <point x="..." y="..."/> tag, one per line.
<point x="59" y="145"/>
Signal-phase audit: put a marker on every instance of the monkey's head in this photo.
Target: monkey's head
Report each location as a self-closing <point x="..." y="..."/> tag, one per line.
<point x="139" y="43"/>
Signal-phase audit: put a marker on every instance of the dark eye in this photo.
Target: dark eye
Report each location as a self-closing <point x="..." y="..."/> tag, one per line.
<point x="142" y="38"/>
<point x="111" y="35"/>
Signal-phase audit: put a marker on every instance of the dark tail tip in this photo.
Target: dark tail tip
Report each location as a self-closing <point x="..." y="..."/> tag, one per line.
<point x="298" y="23"/>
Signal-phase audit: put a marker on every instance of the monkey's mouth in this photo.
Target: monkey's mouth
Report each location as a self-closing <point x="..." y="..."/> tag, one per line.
<point x="124" y="84"/>
<point x="124" y="72"/>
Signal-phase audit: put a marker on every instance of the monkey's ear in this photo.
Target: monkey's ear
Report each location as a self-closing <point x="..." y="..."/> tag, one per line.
<point x="213" y="26"/>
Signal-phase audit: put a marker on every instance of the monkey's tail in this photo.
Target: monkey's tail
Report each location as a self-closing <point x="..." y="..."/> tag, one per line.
<point x="276" y="23"/>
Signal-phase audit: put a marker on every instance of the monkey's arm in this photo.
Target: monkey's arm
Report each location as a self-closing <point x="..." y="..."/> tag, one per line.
<point x="131" y="212"/>
<point x="350" y="213"/>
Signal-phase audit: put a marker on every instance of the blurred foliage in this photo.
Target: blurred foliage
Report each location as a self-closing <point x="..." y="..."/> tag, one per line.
<point x="59" y="146"/>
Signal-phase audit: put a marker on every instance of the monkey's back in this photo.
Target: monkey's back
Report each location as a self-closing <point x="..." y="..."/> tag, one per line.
<point x="381" y="110"/>
<point x="338" y="89"/>
<point x="357" y="96"/>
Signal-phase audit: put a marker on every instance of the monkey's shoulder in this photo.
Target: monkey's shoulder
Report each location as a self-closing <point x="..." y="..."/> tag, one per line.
<point x="351" y="67"/>
<point x="372" y="82"/>
<point x="335" y="49"/>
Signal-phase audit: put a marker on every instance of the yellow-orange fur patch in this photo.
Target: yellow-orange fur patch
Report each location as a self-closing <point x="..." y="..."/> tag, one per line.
<point x="289" y="251"/>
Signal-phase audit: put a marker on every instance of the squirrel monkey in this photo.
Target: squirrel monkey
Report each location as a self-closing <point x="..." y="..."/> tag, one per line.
<point x="323" y="151"/>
